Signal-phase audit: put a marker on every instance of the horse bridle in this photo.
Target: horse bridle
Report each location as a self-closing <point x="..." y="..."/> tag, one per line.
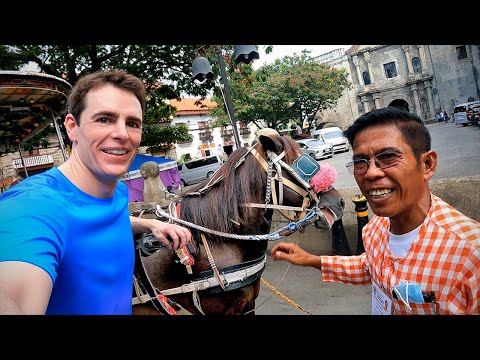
<point x="236" y="276"/>
<point x="275" y="160"/>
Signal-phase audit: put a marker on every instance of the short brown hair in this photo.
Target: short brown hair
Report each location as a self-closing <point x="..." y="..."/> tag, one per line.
<point x="119" y="78"/>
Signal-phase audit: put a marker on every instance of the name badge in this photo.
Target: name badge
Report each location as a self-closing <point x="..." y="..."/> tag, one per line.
<point x="381" y="302"/>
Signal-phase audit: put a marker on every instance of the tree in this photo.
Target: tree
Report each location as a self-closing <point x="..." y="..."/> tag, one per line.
<point x="294" y="88"/>
<point x="166" y="70"/>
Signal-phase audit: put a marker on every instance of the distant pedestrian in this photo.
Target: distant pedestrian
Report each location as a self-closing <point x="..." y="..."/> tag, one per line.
<point x="440" y="117"/>
<point x="298" y="130"/>
<point x="446" y="117"/>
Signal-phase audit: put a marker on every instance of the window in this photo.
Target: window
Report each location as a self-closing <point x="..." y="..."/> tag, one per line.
<point x="366" y="78"/>
<point x="417" y="68"/>
<point x="461" y="52"/>
<point x="390" y="70"/>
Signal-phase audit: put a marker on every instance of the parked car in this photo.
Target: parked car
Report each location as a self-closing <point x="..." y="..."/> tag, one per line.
<point x="334" y="136"/>
<point x="473" y="114"/>
<point x="461" y="112"/>
<point x="317" y="149"/>
<point x="197" y="170"/>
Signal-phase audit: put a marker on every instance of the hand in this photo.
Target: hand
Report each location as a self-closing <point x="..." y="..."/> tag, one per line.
<point x="172" y="235"/>
<point x="292" y="253"/>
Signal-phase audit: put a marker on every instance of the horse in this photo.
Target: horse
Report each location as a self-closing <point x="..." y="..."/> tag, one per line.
<point x="230" y="217"/>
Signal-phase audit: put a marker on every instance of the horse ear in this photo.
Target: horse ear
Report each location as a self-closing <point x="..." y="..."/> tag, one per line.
<point x="268" y="143"/>
<point x="267" y="138"/>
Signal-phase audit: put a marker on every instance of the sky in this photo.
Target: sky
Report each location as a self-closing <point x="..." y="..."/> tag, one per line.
<point x="280" y="51"/>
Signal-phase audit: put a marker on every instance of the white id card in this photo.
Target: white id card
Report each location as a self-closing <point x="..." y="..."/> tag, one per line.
<point x="381" y="302"/>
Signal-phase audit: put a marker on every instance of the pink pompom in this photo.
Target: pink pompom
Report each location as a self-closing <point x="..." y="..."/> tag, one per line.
<point x="324" y="178"/>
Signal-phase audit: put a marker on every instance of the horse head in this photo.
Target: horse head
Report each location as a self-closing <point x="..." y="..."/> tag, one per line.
<point x="230" y="216"/>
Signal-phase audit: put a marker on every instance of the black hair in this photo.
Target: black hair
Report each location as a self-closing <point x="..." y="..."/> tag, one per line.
<point x="410" y="126"/>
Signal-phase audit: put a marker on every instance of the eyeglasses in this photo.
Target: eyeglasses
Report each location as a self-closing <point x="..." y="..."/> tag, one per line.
<point x="384" y="160"/>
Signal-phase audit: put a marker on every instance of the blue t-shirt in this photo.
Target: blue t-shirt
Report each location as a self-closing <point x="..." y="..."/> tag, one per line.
<point x="84" y="243"/>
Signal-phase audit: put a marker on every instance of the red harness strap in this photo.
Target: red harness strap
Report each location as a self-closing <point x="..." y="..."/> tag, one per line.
<point x="183" y="253"/>
<point x="166" y="304"/>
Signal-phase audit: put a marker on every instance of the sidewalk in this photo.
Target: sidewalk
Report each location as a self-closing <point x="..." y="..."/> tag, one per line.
<point x="295" y="290"/>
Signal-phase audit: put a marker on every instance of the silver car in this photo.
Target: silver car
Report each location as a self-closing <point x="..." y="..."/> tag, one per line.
<point x="317" y="149"/>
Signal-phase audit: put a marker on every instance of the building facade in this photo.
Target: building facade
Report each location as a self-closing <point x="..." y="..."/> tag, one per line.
<point x="424" y="79"/>
<point x="207" y="140"/>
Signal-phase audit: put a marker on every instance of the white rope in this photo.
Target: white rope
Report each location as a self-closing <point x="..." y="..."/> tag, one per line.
<point x="292" y="226"/>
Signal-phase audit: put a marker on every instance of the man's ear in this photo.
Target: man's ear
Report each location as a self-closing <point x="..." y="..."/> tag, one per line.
<point x="429" y="162"/>
<point x="71" y="127"/>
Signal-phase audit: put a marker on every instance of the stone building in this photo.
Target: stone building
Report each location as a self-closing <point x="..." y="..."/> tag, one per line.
<point x="423" y="79"/>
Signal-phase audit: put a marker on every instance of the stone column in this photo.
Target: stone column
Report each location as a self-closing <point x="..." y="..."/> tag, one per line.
<point x="153" y="189"/>
<point x="428" y="87"/>
<point x="423" y="59"/>
<point x="376" y="99"/>
<point x="359" y="74"/>
<point x="406" y="50"/>
<point x="366" y="56"/>
<point x="366" y="106"/>
<point x="416" y="99"/>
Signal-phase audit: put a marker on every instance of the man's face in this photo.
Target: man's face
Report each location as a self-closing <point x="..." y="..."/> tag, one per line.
<point x="110" y="132"/>
<point x="397" y="191"/>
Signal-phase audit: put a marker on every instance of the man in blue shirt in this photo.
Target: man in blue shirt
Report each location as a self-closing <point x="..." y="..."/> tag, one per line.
<point x="66" y="237"/>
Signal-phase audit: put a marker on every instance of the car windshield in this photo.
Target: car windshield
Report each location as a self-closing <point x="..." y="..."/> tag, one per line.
<point x="333" y="135"/>
<point x="314" y="143"/>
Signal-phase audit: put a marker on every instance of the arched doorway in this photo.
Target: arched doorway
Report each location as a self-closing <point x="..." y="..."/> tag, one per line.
<point x="400" y="104"/>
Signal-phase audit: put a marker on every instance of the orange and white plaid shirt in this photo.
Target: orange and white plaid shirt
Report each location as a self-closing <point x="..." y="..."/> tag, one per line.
<point x="444" y="258"/>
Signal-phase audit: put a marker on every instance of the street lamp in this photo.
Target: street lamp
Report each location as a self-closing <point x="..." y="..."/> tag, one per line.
<point x="202" y="70"/>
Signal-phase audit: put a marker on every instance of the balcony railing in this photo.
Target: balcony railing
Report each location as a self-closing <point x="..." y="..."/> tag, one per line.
<point x="227" y="133"/>
<point x="205" y="136"/>
<point x="31" y="161"/>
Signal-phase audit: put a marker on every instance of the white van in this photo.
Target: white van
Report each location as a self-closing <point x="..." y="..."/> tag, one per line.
<point x="197" y="170"/>
<point x="460" y="112"/>
<point x="333" y="135"/>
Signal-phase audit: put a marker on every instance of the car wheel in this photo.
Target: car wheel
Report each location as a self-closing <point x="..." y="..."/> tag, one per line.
<point x="209" y="174"/>
<point x="312" y="155"/>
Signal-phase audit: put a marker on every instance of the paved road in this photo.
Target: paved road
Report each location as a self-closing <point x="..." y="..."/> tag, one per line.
<point x="458" y="149"/>
<point x="295" y="290"/>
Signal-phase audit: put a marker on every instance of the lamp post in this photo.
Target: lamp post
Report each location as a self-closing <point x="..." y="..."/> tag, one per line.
<point x="201" y="70"/>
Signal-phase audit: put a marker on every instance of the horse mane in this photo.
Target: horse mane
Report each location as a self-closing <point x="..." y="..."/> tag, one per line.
<point x="220" y="204"/>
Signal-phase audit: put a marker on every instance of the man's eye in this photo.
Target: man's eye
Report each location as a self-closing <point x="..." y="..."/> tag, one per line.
<point x="360" y="161"/>
<point x="388" y="156"/>
<point x="133" y="124"/>
<point x="103" y="120"/>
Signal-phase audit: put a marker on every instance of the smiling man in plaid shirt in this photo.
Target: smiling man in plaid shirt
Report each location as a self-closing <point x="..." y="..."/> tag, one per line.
<point x="422" y="256"/>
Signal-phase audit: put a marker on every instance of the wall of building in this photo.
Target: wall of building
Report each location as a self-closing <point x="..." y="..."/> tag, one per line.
<point x="197" y="147"/>
<point x="443" y="80"/>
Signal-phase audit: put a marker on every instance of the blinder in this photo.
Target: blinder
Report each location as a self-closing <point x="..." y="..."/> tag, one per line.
<point x="305" y="167"/>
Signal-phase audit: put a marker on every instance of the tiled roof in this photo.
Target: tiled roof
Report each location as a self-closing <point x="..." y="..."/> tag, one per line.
<point x="193" y="106"/>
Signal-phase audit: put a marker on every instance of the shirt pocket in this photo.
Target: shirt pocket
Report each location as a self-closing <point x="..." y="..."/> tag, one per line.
<point x="399" y="308"/>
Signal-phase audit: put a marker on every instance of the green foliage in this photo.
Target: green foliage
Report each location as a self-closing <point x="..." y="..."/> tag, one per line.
<point x="293" y="88"/>
<point x="183" y="158"/>
<point x="165" y="69"/>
